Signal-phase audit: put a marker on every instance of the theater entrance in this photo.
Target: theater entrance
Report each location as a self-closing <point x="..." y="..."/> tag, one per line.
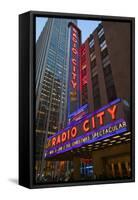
<point x="117" y="167"/>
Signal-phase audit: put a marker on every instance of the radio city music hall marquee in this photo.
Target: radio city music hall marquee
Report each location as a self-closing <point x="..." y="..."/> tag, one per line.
<point x="103" y="123"/>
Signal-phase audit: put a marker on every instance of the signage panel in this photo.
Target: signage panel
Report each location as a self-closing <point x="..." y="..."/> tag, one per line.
<point x="103" y="123"/>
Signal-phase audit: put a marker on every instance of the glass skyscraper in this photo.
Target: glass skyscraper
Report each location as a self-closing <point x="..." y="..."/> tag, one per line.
<point x="51" y="82"/>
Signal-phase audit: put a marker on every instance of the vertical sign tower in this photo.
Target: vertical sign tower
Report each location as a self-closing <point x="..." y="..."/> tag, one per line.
<point x="74" y="69"/>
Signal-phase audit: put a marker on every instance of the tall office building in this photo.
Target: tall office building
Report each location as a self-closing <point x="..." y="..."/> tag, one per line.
<point x="105" y="63"/>
<point x="51" y="81"/>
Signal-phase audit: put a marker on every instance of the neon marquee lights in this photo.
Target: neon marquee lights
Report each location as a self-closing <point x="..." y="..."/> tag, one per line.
<point x="111" y="129"/>
<point x="95" y="126"/>
<point x="74" y="58"/>
<point x="65" y="136"/>
<point x="74" y="68"/>
<point x="73" y="81"/>
<point x="85" y="126"/>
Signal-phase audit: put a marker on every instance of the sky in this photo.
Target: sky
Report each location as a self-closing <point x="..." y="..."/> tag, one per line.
<point x="86" y="26"/>
<point x="40" y="22"/>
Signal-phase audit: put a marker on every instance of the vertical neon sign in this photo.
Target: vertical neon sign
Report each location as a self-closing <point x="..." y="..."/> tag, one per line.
<point x="73" y="83"/>
<point x="74" y="60"/>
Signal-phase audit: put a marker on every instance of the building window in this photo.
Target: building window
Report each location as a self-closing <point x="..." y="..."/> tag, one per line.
<point x="101" y="39"/>
<point x="97" y="102"/>
<point x="111" y="92"/>
<point x="104" y="53"/>
<point x="96" y="92"/>
<point x="103" y="45"/>
<point x="93" y="64"/>
<point x="107" y="70"/>
<point x="92" y="50"/>
<point x="106" y="63"/>
<point x="92" y="56"/>
<point x="95" y="80"/>
<point x="100" y="33"/>
<point x="91" y="43"/>
<point x="94" y="72"/>
<point x="109" y="83"/>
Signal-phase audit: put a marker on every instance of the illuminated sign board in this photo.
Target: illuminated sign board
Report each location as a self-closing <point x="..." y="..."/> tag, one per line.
<point x="74" y="50"/>
<point x="103" y="123"/>
<point x="78" y="114"/>
<point x="73" y="84"/>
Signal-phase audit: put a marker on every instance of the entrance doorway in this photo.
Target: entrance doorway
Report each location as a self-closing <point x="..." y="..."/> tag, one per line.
<point x="86" y="168"/>
<point x="117" y="167"/>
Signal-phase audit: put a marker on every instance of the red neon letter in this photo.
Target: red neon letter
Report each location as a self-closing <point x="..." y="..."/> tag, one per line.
<point x="112" y="112"/>
<point x="93" y="122"/>
<point x="74" y="75"/>
<point x="74" y="50"/>
<point x="58" y="139"/>
<point x="100" y="116"/>
<point x="74" y="39"/>
<point x="86" y="123"/>
<point x="68" y="134"/>
<point x="74" y="84"/>
<point x="74" y="68"/>
<point x="73" y="132"/>
<point x="74" y="30"/>
<point x="74" y="62"/>
<point x="53" y="141"/>
<point x="63" y="137"/>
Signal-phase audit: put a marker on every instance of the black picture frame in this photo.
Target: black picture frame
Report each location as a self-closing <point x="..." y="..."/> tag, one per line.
<point x="27" y="95"/>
